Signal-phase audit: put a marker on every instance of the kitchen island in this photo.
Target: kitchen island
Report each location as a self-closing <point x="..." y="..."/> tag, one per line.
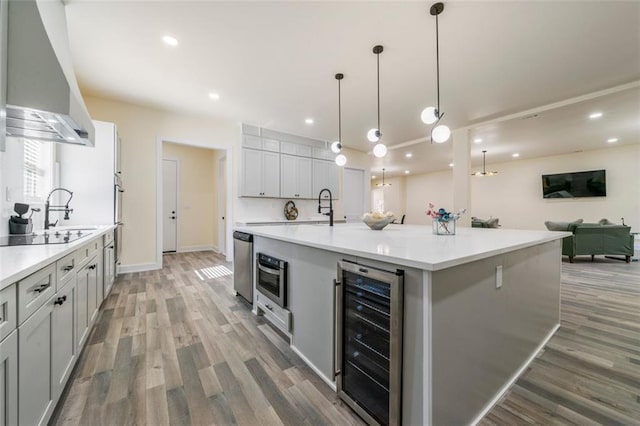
<point x="477" y="306"/>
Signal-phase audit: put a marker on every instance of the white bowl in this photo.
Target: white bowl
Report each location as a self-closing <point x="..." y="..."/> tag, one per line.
<point x="377" y="224"/>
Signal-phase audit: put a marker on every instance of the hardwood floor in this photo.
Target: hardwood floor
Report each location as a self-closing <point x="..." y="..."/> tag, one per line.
<point x="177" y="347"/>
<point x="589" y="372"/>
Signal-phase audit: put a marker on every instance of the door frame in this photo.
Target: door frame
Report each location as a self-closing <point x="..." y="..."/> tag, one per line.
<point x="228" y="152"/>
<point x="177" y="161"/>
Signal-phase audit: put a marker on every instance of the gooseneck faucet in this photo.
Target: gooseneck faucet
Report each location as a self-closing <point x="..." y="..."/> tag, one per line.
<point x="330" y="207"/>
<point x="49" y="208"/>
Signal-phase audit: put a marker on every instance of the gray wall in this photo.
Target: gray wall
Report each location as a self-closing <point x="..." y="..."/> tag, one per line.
<point x="482" y="335"/>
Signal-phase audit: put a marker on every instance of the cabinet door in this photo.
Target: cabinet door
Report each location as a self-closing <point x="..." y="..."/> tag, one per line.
<point x="271" y="174"/>
<point x="63" y="343"/>
<point x="304" y="178"/>
<point x="252" y="173"/>
<point x="9" y="380"/>
<point x="35" y="394"/>
<point x="82" y="312"/>
<point x="320" y="177"/>
<point x="109" y="269"/>
<point x="100" y="262"/>
<point x="288" y="176"/>
<point x="92" y="290"/>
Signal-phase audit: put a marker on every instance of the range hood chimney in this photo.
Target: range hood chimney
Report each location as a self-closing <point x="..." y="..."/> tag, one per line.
<point x="43" y="100"/>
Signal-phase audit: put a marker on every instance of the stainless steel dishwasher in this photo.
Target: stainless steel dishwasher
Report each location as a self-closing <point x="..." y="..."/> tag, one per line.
<point x="243" y="265"/>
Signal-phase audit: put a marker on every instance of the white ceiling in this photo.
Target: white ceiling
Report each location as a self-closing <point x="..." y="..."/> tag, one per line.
<point x="273" y="64"/>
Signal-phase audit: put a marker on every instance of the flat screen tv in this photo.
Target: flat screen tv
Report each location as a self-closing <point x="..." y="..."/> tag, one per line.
<point x="572" y="185"/>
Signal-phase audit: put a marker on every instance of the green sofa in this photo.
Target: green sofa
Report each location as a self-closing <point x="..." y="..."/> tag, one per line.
<point x="481" y="223"/>
<point x="596" y="239"/>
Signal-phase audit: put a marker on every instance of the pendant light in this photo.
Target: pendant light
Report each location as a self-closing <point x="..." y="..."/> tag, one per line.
<point x="484" y="171"/>
<point x="374" y="135"/>
<point x="336" y="146"/>
<point x="383" y="184"/>
<point x="430" y="115"/>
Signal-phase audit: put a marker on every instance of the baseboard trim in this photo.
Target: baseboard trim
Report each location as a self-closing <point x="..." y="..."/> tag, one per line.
<point x="306" y="360"/>
<point x="189" y="249"/>
<point x="141" y="267"/>
<point x="515" y="377"/>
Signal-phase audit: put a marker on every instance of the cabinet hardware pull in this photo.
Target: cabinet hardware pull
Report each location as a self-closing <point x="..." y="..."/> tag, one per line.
<point x="268" y="307"/>
<point x="60" y="300"/>
<point x="337" y="300"/>
<point x="41" y="288"/>
<point x="68" y="268"/>
<point x="93" y="266"/>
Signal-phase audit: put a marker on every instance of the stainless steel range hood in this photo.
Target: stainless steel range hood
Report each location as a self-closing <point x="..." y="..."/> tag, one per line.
<point x="43" y="101"/>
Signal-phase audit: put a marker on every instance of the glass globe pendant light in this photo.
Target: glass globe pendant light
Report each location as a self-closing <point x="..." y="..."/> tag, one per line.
<point x="336" y="146"/>
<point x="374" y="135"/>
<point x="430" y="115"/>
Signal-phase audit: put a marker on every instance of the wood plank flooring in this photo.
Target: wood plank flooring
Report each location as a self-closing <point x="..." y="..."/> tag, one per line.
<point x="177" y="347"/>
<point x="589" y="372"/>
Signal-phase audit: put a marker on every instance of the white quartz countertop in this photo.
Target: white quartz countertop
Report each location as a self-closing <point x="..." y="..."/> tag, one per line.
<point x="279" y="221"/>
<point x="408" y="245"/>
<point x="18" y="262"/>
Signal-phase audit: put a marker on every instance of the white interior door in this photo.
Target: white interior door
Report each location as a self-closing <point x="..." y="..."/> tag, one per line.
<point x="169" y="205"/>
<point x="222" y="210"/>
<point x="353" y="194"/>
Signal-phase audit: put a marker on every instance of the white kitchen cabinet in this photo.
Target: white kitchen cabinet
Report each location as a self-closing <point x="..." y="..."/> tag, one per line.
<point x="63" y="344"/>
<point x="87" y="300"/>
<point x="260" y="173"/>
<point x="295" y="177"/>
<point x="325" y="175"/>
<point x="109" y="268"/>
<point x="35" y="393"/>
<point x="9" y="380"/>
<point x="295" y="149"/>
<point x="8" y="311"/>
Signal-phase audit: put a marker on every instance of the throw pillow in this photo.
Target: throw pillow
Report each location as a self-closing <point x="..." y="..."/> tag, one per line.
<point x="605" y="221"/>
<point x="561" y="226"/>
<point x="492" y="223"/>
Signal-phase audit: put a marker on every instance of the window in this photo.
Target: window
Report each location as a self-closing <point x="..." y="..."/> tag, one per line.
<point x="37" y="170"/>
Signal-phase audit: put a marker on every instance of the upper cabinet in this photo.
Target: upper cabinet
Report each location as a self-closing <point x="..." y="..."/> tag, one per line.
<point x="278" y="165"/>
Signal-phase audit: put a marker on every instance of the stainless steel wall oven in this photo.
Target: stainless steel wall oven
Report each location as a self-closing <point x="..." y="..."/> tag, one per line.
<point x="271" y="278"/>
<point x="369" y="321"/>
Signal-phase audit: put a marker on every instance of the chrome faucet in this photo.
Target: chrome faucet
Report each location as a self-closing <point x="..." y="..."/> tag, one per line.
<point x="320" y="206"/>
<point x="49" y="208"/>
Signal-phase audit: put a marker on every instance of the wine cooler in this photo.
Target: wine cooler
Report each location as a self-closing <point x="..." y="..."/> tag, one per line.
<point x="369" y="313"/>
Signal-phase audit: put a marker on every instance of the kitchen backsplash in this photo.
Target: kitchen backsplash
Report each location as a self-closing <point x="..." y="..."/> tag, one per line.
<point x="271" y="209"/>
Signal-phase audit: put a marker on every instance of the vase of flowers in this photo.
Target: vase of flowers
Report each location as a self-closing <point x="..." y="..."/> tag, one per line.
<point x="444" y="222"/>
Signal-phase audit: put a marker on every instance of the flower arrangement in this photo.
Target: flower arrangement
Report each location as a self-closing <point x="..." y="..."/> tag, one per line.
<point x="444" y="222"/>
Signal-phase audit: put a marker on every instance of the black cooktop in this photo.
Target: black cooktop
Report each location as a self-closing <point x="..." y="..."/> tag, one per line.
<point x="48" y="237"/>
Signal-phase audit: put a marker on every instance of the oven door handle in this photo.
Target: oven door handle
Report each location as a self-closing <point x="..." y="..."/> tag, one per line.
<point x="269" y="270"/>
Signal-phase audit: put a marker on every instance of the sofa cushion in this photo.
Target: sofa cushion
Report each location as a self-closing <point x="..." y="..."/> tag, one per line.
<point x="561" y="226"/>
<point x="492" y="223"/>
<point x="605" y="221"/>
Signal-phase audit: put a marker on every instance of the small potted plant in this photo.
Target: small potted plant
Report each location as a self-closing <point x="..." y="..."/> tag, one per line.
<point x="444" y="222"/>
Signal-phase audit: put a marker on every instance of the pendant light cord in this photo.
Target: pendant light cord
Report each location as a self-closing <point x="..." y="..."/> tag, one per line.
<point x="339" y="115"/>
<point x="438" y="65"/>
<point x="378" y="68"/>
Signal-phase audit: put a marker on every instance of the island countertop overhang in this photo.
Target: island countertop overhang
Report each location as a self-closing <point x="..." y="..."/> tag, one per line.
<point x="412" y="246"/>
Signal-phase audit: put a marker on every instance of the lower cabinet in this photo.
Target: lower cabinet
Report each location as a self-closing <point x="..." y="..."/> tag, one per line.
<point x="64" y="350"/>
<point x="35" y="393"/>
<point x="9" y="380"/>
<point x="109" y="268"/>
<point x="87" y="300"/>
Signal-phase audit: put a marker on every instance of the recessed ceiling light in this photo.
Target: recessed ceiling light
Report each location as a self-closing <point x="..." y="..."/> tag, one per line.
<point x="450" y="164"/>
<point x="308" y="120"/>
<point x="408" y="155"/>
<point x="406" y="172"/>
<point x="595" y="115"/>
<point x="477" y="140"/>
<point x="373" y="177"/>
<point x="214" y="96"/>
<point x="171" y="41"/>
<point x="515" y="155"/>
<point x="612" y="140"/>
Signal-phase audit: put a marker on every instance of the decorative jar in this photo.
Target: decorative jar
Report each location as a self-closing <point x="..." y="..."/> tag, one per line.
<point x="444" y="227"/>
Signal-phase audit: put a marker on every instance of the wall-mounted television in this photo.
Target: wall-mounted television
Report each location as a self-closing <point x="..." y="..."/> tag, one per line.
<point x="572" y="185"/>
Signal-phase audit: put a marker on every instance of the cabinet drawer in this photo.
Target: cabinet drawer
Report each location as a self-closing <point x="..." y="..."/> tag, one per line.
<point x="65" y="267"/>
<point x="8" y="313"/>
<point x="35" y="290"/>
<point x="108" y="238"/>
<point x="280" y="317"/>
<point x="82" y="255"/>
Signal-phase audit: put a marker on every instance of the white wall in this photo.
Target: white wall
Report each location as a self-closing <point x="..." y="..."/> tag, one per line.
<point x="514" y="195"/>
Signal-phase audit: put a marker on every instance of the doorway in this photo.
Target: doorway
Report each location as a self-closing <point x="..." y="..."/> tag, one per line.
<point x="222" y="205"/>
<point x="169" y="205"/>
<point x="353" y="188"/>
